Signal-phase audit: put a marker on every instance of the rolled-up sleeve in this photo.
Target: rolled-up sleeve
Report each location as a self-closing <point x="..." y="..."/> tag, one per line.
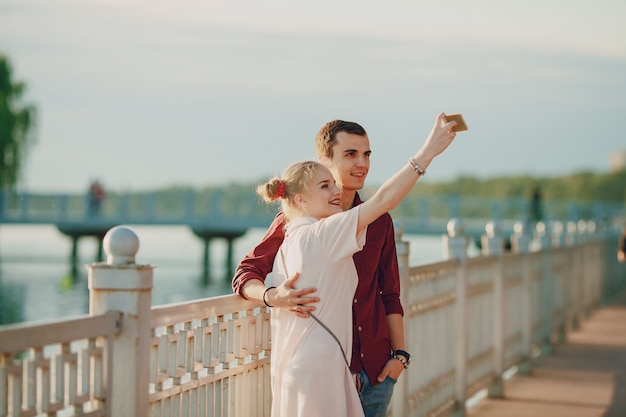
<point x="388" y="272"/>
<point x="259" y="261"/>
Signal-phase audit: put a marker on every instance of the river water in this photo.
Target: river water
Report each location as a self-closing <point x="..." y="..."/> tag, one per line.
<point x="36" y="282"/>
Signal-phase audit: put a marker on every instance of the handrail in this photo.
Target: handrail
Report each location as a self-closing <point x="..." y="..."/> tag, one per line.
<point x="18" y="337"/>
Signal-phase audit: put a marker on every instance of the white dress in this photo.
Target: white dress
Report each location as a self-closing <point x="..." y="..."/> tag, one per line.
<point x="309" y="375"/>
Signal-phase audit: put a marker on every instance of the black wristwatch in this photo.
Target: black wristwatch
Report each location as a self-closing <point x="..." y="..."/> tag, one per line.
<point x="402" y="356"/>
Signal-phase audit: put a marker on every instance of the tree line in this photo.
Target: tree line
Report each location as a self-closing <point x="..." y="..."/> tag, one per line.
<point x="581" y="186"/>
<point x="18" y="133"/>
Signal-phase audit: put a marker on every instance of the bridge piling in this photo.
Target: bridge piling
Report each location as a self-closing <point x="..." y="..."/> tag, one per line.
<point x="75" y="233"/>
<point x="207" y="235"/>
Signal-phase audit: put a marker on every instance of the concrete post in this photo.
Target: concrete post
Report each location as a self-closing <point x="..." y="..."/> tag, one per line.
<point x="492" y="242"/>
<point x="520" y="243"/>
<point x="558" y="235"/>
<point x="455" y="243"/>
<point x="581" y="227"/>
<point x="493" y="245"/>
<point x="122" y="285"/>
<point x="455" y="247"/>
<point x="520" y="239"/>
<point x="545" y="245"/>
<point x="571" y="237"/>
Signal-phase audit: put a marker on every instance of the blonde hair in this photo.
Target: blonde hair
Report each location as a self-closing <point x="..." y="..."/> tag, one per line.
<point x="294" y="181"/>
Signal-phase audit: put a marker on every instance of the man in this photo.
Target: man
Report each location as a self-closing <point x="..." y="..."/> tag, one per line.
<point x="378" y="351"/>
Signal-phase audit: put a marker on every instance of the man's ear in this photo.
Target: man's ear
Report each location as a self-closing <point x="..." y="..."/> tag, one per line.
<point x="324" y="160"/>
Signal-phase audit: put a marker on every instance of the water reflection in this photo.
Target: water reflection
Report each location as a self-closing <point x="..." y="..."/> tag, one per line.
<point x="12" y="300"/>
<point x="37" y="281"/>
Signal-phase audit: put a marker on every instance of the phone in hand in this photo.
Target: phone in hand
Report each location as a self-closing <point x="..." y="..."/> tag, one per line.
<point x="460" y="122"/>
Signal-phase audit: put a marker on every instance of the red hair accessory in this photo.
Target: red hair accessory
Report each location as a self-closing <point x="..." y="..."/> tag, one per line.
<point x="281" y="189"/>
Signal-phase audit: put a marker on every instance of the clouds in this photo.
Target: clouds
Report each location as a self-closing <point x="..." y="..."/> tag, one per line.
<point x="147" y="94"/>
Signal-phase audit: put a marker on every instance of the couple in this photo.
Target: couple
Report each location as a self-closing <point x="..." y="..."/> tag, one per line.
<point x="333" y="256"/>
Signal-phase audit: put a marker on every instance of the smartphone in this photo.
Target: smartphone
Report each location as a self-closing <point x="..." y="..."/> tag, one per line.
<point x="460" y="122"/>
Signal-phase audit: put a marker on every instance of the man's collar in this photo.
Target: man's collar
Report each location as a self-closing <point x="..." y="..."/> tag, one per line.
<point x="357" y="199"/>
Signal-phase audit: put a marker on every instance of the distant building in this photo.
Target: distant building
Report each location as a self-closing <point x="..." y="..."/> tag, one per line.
<point x="617" y="161"/>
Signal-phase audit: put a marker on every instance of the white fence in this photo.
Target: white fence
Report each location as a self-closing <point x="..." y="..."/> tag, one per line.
<point x="467" y="321"/>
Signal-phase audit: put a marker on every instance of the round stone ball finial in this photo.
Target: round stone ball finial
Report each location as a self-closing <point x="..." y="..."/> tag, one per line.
<point x="455" y="227"/>
<point x="592" y="227"/>
<point x="121" y="245"/>
<point x="558" y="227"/>
<point x="541" y="228"/>
<point x="492" y="228"/>
<point x="572" y="227"/>
<point x="520" y="228"/>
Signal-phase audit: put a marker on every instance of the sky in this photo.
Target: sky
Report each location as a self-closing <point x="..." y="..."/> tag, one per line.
<point x="146" y="94"/>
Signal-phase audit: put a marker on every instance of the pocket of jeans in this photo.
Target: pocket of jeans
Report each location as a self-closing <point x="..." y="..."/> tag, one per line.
<point x="357" y="382"/>
<point x="392" y="379"/>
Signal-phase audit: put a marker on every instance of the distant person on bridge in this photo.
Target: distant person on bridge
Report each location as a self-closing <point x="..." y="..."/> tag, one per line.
<point x="95" y="198"/>
<point x="536" y="206"/>
<point x="308" y="370"/>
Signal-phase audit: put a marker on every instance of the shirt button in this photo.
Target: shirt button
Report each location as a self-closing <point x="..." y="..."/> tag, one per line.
<point x="355" y="301"/>
<point x="362" y="355"/>
<point x="360" y="328"/>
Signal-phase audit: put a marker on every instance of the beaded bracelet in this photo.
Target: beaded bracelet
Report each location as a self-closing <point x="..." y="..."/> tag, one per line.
<point x="264" y="294"/>
<point x="416" y="167"/>
<point x="402" y="359"/>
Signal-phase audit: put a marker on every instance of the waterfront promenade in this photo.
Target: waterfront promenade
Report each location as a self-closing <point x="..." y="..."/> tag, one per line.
<point x="584" y="377"/>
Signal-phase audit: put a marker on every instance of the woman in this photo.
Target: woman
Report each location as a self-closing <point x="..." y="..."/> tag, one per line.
<point x="310" y="374"/>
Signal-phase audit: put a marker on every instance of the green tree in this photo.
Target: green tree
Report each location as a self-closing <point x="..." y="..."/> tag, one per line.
<point x="17" y="125"/>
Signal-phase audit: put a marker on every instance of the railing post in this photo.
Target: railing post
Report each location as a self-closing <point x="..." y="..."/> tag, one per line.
<point x="571" y="239"/>
<point x="493" y="245"/>
<point x="581" y="227"/>
<point x="455" y="247"/>
<point x="520" y="243"/>
<point x="575" y="278"/>
<point x="400" y="399"/>
<point x="558" y="235"/>
<point x="545" y="245"/>
<point x="121" y="285"/>
<point x="492" y="242"/>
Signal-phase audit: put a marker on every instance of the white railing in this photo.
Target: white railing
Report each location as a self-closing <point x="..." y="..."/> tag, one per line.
<point x="470" y="320"/>
<point x="467" y="321"/>
<point x="58" y="367"/>
<point x="210" y="358"/>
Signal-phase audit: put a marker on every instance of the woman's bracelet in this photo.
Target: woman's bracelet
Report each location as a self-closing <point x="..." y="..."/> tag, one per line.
<point x="416" y="167"/>
<point x="265" y="294"/>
